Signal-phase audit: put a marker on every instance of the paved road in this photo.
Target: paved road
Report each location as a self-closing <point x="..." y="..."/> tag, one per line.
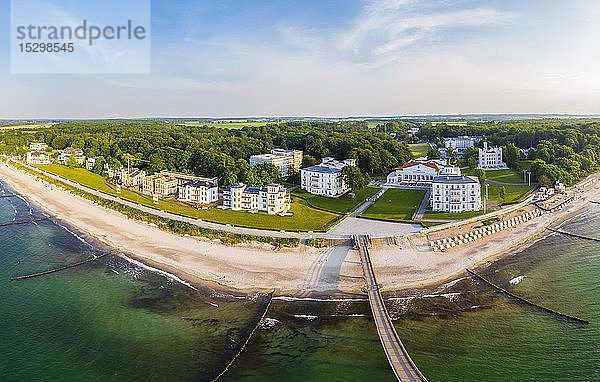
<point x="399" y="359"/>
<point x="343" y="230"/>
<point x="421" y="211"/>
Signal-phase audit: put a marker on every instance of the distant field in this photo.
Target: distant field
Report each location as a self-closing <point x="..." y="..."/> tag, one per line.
<point x="450" y="123"/>
<point x="226" y="125"/>
<point x="26" y="126"/>
<point x="305" y="217"/>
<point x="395" y="205"/>
<point x="420" y="149"/>
<point x="341" y="205"/>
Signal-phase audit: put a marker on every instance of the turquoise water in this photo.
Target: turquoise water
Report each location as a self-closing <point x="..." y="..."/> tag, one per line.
<point x="112" y="320"/>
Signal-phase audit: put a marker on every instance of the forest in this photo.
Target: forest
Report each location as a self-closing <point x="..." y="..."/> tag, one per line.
<point x="214" y="151"/>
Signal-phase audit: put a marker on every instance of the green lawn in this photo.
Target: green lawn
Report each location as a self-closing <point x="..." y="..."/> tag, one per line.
<point x="396" y="205"/>
<point x="505" y="176"/>
<point x="341" y="205"/>
<point x="451" y="215"/>
<point x="420" y="149"/>
<point x="514" y="194"/>
<point x="305" y="218"/>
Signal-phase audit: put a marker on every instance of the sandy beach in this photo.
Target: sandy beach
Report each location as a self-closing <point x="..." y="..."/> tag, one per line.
<point x="299" y="271"/>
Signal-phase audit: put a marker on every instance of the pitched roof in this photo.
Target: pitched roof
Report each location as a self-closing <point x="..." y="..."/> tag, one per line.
<point x="431" y="164"/>
<point x="322" y="169"/>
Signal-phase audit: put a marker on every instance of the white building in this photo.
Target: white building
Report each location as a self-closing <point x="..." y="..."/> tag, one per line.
<point x="453" y="193"/>
<point x="132" y="177"/>
<point x="91" y="162"/>
<point x="490" y="158"/>
<point x="285" y="160"/>
<point x="461" y="143"/>
<point x="326" y="178"/>
<point x="272" y="198"/>
<point x="66" y="154"/>
<point x="198" y="192"/>
<point x="37" y="158"/>
<point x="414" y="172"/>
<point x="37" y="146"/>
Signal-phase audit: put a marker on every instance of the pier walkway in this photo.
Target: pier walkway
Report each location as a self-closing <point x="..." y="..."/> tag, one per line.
<point x="401" y="363"/>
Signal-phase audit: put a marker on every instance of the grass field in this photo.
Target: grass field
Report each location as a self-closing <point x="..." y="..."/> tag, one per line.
<point x="305" y="217"/>
<point x="341" y="205"/>
<point x="420" y="149"/>
<point x="33" y="126"/>
<point x="395" y="205"/>
<point x="505" y="176"/>
<point x="514" y="194"/>
<point x="226" y="125"/>
<point x="451" y="215"/>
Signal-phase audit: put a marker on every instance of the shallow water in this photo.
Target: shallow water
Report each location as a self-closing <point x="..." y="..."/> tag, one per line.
<point x="115" y="320"/>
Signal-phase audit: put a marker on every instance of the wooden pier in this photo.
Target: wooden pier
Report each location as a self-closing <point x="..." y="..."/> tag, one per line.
<point x="402" y="365"/>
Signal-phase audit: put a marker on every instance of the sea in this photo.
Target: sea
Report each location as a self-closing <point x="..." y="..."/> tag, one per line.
<point x="116" y="319"/>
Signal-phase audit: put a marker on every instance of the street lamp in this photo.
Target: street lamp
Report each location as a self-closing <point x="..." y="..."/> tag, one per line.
<point x="485" y="197"/>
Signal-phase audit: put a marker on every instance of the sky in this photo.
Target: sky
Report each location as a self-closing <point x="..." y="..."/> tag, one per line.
<point x="335" y="58"/>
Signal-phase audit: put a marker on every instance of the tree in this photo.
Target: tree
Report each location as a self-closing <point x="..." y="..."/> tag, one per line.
<point x="511" y="156"/>
<point x="71" y="161"/>
<point x="354" y="178"/>
<point x="434" y="154"/>
<point x="544" y="181"/>
<point x="308" y="161"/>
<point x="453" y="154"/>
<point x="98" y="166"/>
<point x="502" y="192"/>
<point x="481" y="175"/>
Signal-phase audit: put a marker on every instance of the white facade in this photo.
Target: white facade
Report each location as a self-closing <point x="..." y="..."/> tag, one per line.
<point x="90" y="162"/>
<point x="37" y="146"/>
<point x="272" y="198"/>
<point x="461" y="143"/>
<point x="66" y="154"/>
<point x="285" y="160"/>
<point x="490" y="158"/>
<point x="325" y="178"/>
<point x="37" y="158"/>
<point x="420" y="172"/>
<point x="202" y="192"/>
<point x="455" y="194"/>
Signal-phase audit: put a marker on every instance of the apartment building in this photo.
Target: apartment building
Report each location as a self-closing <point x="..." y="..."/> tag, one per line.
<point x="131" y="177"/>
<point x="157" y="184"/>
<point x="37" y="158"/>
<point x="37" y="146"/>
<point x="451" y="193"/>
<point x="91" y="162"/>
<point x="272" y="198"/>
<point x="326" y="178"/>
<point x="461" y="143"/>
<point x="66" y="154"/>
<point x="198" y="192"/>
<point x="285" y="160"/>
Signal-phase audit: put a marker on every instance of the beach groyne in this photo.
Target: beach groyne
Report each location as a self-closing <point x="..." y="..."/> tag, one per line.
<point x="573" y="234"/>
<point x="519" y="298"/>
<point x="247" y="340"/>
<point x="62" y="268"/>
<point x="24" y="222"/>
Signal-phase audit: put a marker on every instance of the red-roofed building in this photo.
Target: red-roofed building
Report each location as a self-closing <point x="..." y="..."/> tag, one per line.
<point x="420" y="172"/>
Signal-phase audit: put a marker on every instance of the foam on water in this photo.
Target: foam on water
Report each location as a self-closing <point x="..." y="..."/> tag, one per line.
<point x="516" y="280"/>
<point x="156" y="270"/>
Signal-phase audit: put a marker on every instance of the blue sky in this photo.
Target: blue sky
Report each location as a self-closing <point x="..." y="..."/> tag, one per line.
<point x="238" y="58"/>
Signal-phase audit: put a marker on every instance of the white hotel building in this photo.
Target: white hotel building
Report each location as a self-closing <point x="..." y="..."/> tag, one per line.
<point x="490" y="158"/>
<point x="285" y="160"/>
<point x="272" y="198"/>
<point x="325" y="178"/>
<point x="455" y="194"/>
<point x="461" y="143"/>
<point x="420" y="172"/>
